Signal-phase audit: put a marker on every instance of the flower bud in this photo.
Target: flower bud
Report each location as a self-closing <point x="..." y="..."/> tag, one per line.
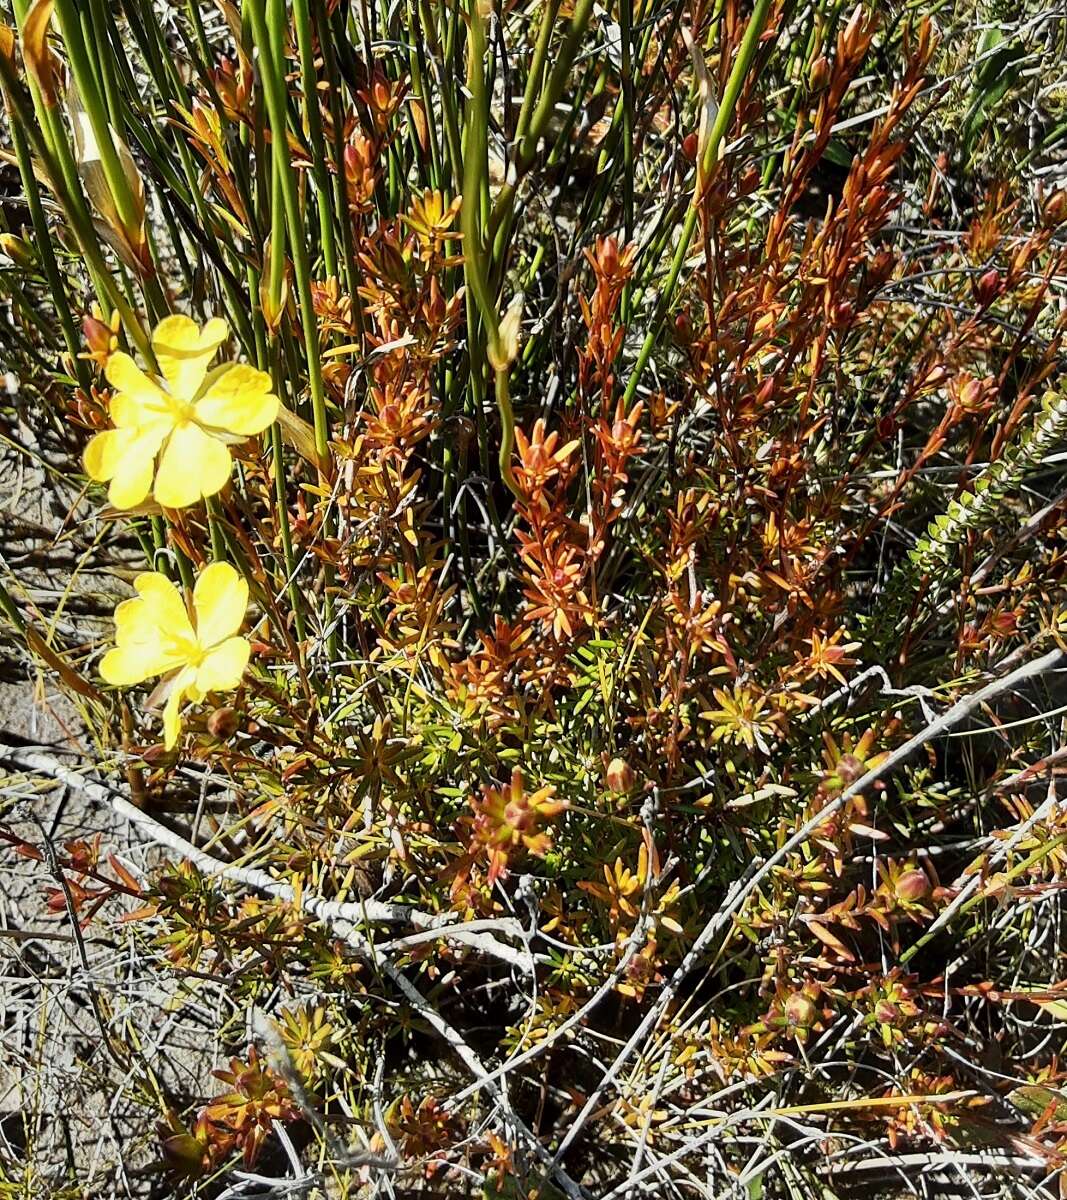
<point x="504" y="348"/>
<point x="748" y="182"/>
<point x="799" y="1011"/>
<point x="937" y="376"/>
<point x="619" y="776"/>
<point x="988" y="287"/>
<point x="766" y="391"/>
<point x="912" y="886"/>
<point x="880" y="268"/>
<point x="886" y="1012"/>
<point x="969" y="392"/>
<point x="273" y="304"/>
<point x="222" y="723"/>
<point x="819" y="75"/>
<point x="849" y="769"/>
<point x="19" y="251"/>
<point x="1055" y="210"/>
<point x="98" y="337"/>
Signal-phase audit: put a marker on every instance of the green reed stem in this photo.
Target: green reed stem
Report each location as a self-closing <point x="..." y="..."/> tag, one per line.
<point x="80" y="224"/>
<point x="532" y="127"/>
<point x="313" y="121"/>
<point x="270" y="64"/>
<point x="48" y="257"/>
<point x="88" y="86"/>
<point x="626" y="21"/>
<point x="475" y="180"/>
<point x="709" y="159"/>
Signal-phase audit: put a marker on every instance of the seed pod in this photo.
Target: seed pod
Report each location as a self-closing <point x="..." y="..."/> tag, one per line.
<point x="222" y="723"/>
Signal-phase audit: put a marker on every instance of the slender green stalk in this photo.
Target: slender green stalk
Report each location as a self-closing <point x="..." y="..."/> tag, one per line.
<point x="48" y="258"/>
<point x="276" y="261"/>
<point x="417" y="64"/>
<point x="475" y="176"/>
<point x="92" y="98"/>
<point x="186" y="198"/>
<point x="286" y="216"/>
<point x="626" y="21"/>
<point x="296" y="599"/>
<point x="96" y="31"/>
<point x="83" y="230"/>
<point x="710" y="156"/>
<point x="340" y="191"/>
<point x="270" y="63"/>
<point x="313" y="121"/>
<point x="502" y="216"/>
<point x="55" y="137"/>
<point x="537" y="69"/>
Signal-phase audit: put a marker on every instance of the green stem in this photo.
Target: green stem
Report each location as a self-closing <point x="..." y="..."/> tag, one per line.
<point x="526" y="147"/>
<point x="340" y="191"/>
<point x="313" y="120"/>
<point x="88" y="87"/>
<point x="270" y="63"/>
<point x="626" y="20"/>
<point x="1010" y="876"/>
<point x="48" y="258"/>
<point x="537" y="69"/>
<point x="82" y="228"/>
<point x="475" y="175"/>
<point x="709" y="159"/>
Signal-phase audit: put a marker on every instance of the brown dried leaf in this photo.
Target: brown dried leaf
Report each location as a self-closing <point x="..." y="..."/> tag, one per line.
<point x="41" y="63"/>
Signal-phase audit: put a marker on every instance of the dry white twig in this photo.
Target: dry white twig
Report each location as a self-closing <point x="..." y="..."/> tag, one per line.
<point x="343" y="918"/>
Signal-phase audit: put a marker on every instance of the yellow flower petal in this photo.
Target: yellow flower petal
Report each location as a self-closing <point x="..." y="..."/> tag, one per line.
<point x="142" y="400"/>
<point x="222" y="668"/>
<point x="193" y="464"/>
<point x="152" y="633"/>
<point x="123" y="666"/>
<point x="172" y="709"/>
<point x="129" y="413"/>
<point x="220" y="599"/>
<point x="238" y="399"/>
<point x="184" y="351"/>
<point x="105" y="452"/>
<point x="126" y="457"/>
<point x="134" y="662"/>
<point x="167" y="606"/>
<point x="155" y="636"/>
<point x="132" y="482"/>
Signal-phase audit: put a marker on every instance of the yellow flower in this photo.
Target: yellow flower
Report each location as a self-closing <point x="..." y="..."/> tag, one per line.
<point x="187" y="418"/>
<point x="431" y="219"/>
<point x="154" y="635"/>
